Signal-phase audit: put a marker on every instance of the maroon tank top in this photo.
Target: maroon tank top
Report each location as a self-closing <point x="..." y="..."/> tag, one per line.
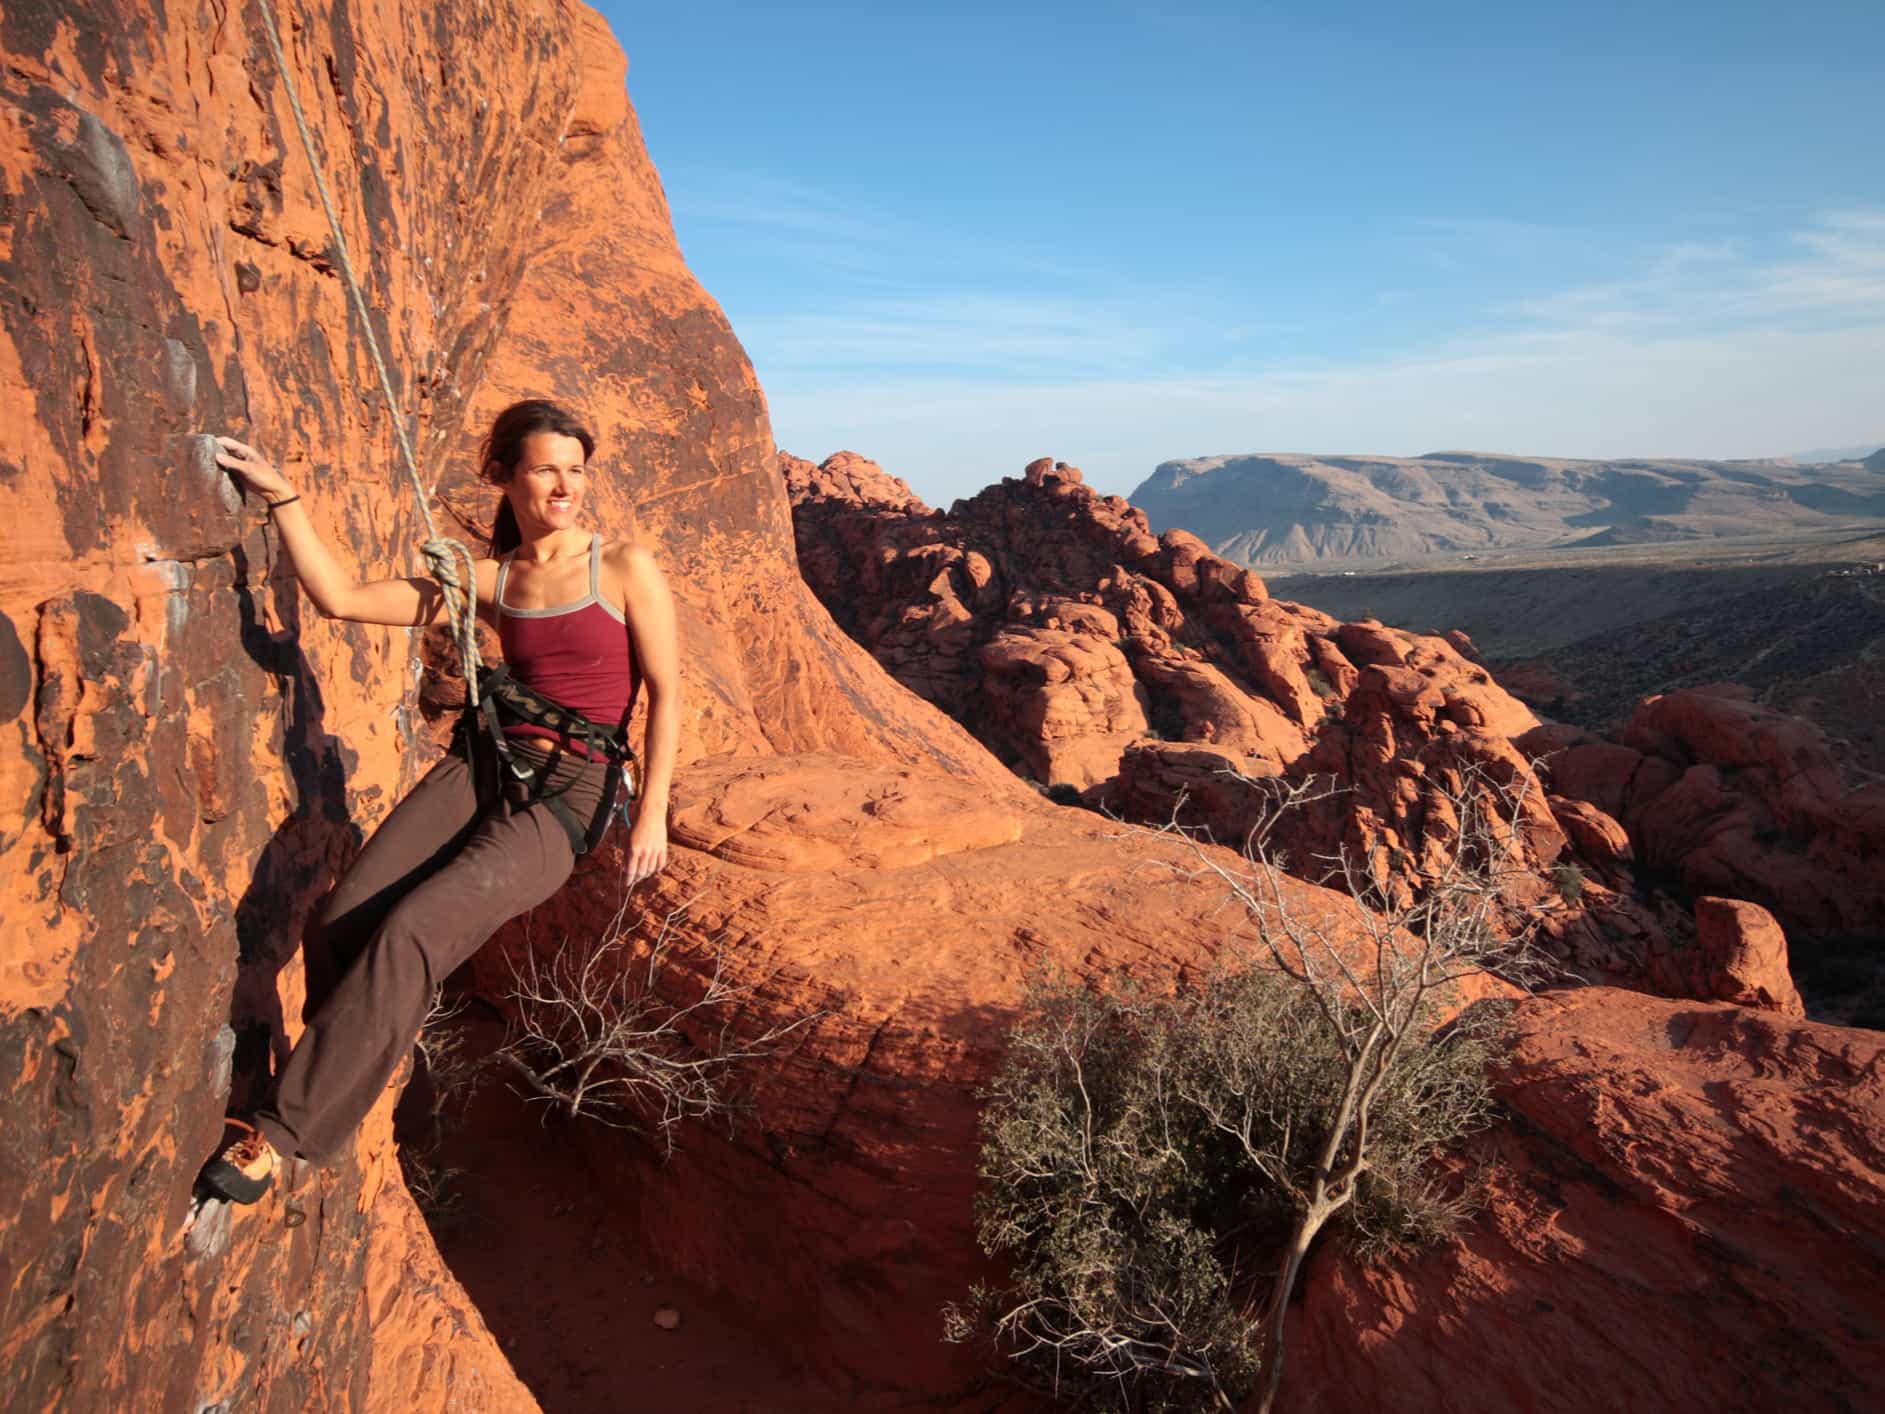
<point x="578" y="654"/>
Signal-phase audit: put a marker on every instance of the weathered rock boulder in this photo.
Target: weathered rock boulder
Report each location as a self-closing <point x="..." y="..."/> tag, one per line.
<point x="1737" y="953"/>
<point x="1685" y="1212"/>
<point x="1728" y="797"/>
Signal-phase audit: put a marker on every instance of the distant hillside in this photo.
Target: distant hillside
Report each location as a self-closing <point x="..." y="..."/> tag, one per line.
<point x="1839" y="454"/>
<point x="1584" y="635"/>
<point x="1291" y="509"/>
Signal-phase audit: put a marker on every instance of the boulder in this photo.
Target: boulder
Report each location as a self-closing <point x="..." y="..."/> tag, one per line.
<point x="1740" y="956"/>
<point x="1683" y="1213"/>
<point x="1727" y="796"/>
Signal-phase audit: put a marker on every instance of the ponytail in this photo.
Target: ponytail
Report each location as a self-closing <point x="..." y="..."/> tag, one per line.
<point x="505" y="535"/>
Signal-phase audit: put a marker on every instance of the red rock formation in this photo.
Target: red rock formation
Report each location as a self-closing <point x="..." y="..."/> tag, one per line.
<point x="1686" y="1214"/>
<point x="901" y="912"/>
<point x="192" y="759"/>
<point x="1040" y="602"/>
<point x="1150" y="674"/>
<point x="1728" y="797"/>
<point x="847" y="477"/>
<point x="1729" y="951"/>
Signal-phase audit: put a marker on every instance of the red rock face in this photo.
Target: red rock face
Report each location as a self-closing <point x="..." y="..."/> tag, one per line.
<point x="1732" y="798"/>
<point x="188" y="757"/>
<point x="1671" y="1223"/>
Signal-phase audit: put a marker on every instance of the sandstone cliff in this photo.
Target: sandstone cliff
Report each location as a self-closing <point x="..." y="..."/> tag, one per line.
<point x="191" y="758"/>
<point x="189" y="755"/>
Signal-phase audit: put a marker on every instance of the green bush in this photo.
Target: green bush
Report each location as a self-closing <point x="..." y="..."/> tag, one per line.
<point x="1569" y="878"/>
<point x="1143" y="1158"/>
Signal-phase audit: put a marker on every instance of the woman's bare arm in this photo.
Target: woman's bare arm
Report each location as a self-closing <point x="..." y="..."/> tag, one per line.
<point x="649" y="608"/>
<point x="409" y="601"/>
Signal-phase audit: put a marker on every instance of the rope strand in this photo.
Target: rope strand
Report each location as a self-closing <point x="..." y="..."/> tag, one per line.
<point x="448" y="561"/>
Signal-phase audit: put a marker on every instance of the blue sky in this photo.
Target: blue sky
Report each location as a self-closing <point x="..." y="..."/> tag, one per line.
<point x="957" y="237"/>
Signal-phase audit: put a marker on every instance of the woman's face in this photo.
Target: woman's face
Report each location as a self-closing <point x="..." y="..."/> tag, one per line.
<point x="546" y="488"/>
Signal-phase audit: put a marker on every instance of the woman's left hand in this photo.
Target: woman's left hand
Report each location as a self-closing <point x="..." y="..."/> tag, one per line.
<point x="647" y="845"/>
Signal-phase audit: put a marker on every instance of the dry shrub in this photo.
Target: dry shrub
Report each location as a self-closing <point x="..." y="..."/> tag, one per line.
<point x="593" y="1035"/>
<point x="1157" y="1169"/>
<point x="1143" y="1159"/>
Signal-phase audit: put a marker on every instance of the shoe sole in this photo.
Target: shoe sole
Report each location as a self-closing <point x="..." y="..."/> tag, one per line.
<point x="227" y="1181"/>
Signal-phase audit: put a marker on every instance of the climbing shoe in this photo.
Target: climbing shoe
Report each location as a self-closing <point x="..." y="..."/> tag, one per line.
<point x="243" y="1171"/>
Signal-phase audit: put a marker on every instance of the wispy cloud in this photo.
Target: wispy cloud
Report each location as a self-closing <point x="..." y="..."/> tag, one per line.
<point x="1702" y="348"/>
<point x="878" y="295"/>
<point x="789" y="210"/>
<point x="1003" y="337"/>
<point x="1832" y="271"/>
<point x="843" y="233"/>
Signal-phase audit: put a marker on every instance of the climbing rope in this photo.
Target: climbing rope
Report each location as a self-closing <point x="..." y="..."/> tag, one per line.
<point x="449" y="561"/>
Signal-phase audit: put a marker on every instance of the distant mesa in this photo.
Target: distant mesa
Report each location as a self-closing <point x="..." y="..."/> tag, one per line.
<point x="1294" y="509"/>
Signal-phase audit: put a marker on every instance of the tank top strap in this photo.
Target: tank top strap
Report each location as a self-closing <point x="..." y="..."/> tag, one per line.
<point x="595" y="567"/>
<point x="503" y="573"/>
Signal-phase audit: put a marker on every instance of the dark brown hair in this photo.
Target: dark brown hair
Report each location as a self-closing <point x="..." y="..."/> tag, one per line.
<point x="504" y="444"/>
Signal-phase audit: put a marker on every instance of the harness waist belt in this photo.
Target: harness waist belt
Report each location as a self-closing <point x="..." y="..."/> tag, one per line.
<point x="502" y="697"/>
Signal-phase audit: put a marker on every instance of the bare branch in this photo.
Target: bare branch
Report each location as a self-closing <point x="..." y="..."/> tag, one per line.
<point x="592" y="1035"/>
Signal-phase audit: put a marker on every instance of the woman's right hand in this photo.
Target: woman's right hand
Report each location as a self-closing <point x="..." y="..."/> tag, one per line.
<point x="253" y="468"/>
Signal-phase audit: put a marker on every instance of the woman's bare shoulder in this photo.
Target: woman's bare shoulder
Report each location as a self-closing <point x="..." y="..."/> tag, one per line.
<point x="631" y="559"/>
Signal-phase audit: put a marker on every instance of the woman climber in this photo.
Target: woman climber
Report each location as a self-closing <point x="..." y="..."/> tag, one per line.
<point x="583" y="623"/>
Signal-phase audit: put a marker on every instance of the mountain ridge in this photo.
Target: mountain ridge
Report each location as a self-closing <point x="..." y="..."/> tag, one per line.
<point x="1289" y="508"/>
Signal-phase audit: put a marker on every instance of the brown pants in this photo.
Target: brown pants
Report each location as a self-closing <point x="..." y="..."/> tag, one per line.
<point x="439" y="876"/>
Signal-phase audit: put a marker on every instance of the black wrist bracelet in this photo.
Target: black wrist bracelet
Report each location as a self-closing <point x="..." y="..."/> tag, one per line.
<point x="274" y="506"/>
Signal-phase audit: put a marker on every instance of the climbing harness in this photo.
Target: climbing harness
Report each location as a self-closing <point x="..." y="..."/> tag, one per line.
<point x="506" y="701"/>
